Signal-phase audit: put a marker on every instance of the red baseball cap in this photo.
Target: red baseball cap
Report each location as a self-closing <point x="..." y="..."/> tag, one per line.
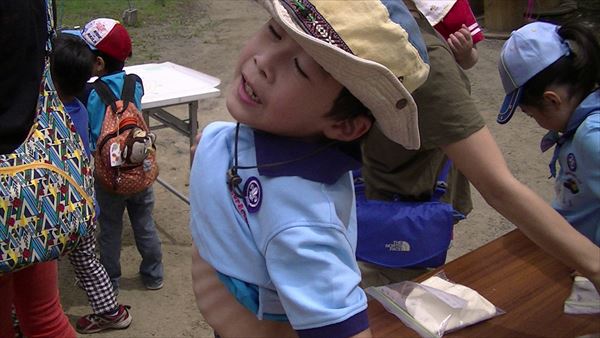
<point x="106" y="35"/>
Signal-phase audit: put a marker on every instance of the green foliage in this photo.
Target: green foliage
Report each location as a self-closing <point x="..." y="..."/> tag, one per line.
<point x="156" y="20"/>
<point x="72" y="13"/>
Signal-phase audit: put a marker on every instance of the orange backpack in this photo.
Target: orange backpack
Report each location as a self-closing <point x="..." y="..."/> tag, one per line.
<point x="125" y="156"/>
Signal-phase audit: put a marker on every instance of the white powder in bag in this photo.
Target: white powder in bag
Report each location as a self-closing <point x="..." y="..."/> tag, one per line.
<point x="438" y="316"/>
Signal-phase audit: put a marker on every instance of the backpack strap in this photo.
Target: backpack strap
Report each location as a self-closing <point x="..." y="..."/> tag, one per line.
<point x="441" y="183"/>
<point x="128" y="93"/>
<point x="106" y="94"/>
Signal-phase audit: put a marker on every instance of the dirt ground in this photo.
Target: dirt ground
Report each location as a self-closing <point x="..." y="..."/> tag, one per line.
<point x="211" y="34"/>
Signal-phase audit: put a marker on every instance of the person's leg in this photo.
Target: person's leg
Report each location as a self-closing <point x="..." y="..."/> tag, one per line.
<point x="110" y="220"/>
<point x="93" y="276"/>
<point x="94" y="279"/>
<point x="7" y="296"/>
<point x="139" y="208"/>
<point x="37" y="302"/>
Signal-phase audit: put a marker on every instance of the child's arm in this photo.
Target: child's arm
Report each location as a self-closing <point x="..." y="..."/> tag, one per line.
<point x="223" y="312"/>
<point x="480" y="160"/>
<point x="461" y="44"/>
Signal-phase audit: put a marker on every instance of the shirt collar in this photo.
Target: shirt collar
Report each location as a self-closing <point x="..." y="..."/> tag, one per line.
<point x="585" y="108"/>
<point x="325" y="166"/>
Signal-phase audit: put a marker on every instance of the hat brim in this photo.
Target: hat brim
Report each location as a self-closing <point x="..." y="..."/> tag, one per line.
<point x="78" y="34"/>
<point x="372" y="83"/>
<point x="510" y="104"/>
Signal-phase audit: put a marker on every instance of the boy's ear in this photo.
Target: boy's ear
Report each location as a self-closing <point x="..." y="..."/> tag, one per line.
<point x="99" y="66"/>
<point x="349" y="129"/>
<point x="552" y="98"/>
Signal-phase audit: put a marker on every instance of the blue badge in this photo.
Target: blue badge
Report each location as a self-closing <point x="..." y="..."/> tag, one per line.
<point x="252" y="194"/>
<point x="571" y="162"/>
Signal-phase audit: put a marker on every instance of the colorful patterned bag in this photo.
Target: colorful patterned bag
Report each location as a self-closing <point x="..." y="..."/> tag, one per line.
<point x="46" y="188"/>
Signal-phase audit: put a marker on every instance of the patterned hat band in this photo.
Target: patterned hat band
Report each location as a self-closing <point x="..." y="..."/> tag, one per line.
<point x="312" y="22"/>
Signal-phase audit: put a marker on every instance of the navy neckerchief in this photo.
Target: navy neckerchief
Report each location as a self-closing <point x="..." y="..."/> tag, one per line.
<point x="326" y="164"/>
<point x="589" y="105"/>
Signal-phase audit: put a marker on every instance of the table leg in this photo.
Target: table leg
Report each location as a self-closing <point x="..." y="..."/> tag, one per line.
<point x="146" y="116"/>
<point x="173" y="190"/>
<point x="193" y="115"/>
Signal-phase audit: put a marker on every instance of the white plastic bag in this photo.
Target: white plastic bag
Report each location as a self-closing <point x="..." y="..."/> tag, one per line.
<point x="435" y="306"/>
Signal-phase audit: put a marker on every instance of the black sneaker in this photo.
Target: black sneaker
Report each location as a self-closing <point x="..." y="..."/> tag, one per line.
<point x="154" y="285"/>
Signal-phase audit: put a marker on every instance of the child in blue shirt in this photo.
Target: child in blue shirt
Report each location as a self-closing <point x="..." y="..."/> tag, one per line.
<point x="71" y="64"/>
<point x="111" y="45"/>
<point x="553" y="74"/>
<point x="272" y="201"/>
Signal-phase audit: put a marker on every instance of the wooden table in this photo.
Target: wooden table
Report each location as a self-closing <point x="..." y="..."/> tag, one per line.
<point x="516" y="276"/>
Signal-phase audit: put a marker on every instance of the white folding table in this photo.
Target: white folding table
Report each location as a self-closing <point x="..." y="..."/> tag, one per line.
<point x="168" y="84"/>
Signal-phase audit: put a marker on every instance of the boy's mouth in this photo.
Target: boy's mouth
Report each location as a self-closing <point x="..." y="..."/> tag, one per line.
<point x="249" y="91"/>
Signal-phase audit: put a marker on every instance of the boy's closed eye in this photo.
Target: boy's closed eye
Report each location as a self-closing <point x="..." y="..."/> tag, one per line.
<point x="274" y="32"/>
<point x="279" y="36"/>
<point x="299" y="68"/>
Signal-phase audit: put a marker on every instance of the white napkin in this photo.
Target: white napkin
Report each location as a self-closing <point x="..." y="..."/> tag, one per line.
<point x="583" y="299"/>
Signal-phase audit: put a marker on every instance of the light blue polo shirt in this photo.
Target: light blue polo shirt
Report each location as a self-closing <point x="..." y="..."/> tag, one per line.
<point x="577" y="184"/>
<point x="293" y="235"/>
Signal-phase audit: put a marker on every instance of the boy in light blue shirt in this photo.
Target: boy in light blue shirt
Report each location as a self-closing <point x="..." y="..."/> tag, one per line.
<point x="272" y="200"/>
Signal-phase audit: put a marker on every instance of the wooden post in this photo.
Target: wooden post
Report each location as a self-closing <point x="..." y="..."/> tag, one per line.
<point x="503" y="16"/>
<point x="545" y="5"/>
<point x="130" y="16"/>
<point x="476" y="6"/>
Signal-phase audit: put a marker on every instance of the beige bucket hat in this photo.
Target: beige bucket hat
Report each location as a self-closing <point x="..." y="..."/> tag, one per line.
<point x="374" y="48"/>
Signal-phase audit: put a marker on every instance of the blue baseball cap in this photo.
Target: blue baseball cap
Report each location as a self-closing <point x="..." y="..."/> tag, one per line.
<point x="528" y="51"/>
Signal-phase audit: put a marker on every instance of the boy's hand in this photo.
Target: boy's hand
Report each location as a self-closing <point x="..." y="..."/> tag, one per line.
<point x="461" y="44"/>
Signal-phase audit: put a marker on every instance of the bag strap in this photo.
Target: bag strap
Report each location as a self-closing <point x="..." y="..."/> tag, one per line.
<point x="441" y="184"/>
<point x="106" y="94"/>
<point x="128" y="92"/>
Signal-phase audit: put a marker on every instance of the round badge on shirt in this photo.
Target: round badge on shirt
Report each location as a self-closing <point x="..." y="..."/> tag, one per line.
<point x="252" y="194"/>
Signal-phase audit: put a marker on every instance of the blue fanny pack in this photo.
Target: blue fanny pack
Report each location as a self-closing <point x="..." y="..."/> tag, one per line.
<point x="399" y="234"/>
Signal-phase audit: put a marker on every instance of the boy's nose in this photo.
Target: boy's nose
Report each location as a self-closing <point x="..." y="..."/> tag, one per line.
<point x="271" y="60"/>
<point x="263" y="67"/>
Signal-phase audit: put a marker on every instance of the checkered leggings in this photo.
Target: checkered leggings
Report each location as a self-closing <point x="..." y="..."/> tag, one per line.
<point x="92" y="275"/>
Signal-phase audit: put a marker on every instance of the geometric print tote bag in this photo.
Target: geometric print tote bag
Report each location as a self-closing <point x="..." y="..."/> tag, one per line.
<point x="46" y="188"/>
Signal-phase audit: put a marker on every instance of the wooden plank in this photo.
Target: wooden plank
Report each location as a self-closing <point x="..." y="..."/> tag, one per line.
<point x="503" y="16"/>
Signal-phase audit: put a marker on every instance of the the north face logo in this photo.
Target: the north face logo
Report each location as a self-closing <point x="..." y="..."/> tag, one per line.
<point x="398" y="246"/>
